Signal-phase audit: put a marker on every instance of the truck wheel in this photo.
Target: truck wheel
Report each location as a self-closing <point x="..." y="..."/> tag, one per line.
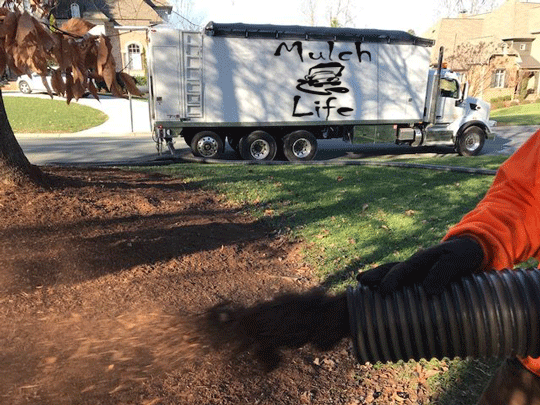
<point x="471" y="141"/>
<point x="299" y="146"/>
<point x="207" y="144"/>
<point x="258" y="145"/>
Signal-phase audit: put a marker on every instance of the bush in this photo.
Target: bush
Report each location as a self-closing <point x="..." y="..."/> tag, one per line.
<point x="500" y="99"/>
<point x="141" y="80"/>
<point x="496" y="104"/>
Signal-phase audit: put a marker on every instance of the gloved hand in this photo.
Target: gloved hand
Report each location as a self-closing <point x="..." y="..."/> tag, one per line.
<point x="433" y="268"/>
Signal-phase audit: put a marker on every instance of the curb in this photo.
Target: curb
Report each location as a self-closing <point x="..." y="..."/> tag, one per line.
<point x="189" y="158"/>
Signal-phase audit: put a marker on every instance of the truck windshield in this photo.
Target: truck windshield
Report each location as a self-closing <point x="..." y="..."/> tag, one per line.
<point x="449" y="88"/>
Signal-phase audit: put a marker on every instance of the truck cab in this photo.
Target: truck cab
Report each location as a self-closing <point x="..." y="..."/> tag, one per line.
<point x="458" y="118"/>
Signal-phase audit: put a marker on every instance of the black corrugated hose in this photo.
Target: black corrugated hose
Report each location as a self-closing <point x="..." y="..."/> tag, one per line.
<point x="490" y="314"/>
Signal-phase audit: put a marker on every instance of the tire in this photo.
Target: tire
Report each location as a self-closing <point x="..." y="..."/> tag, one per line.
<point x="24" y="87"/>
<point x="207" y="144"/>
<point x="259" y="145"/>
<point x="471" y="141"/>
<point x="300" y="146"/>
<point x="187" y="139"/>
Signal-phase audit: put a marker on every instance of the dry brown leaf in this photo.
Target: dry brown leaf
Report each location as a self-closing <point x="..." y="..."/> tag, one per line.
<point x="78" y="75"/>
<point x="103" y="54"/>
<point x="69" y="87"/>
<point x="8" y="29"/>
<point x="45" y="38"/>
<point x="88" y="51"/>
<point x="92" y="89"/>
<point x="66" y="54"/>
<point x="38" y="62"/>
<point x="46" y="85"/>
<point x="116" y="90"/>
<point x="3" y="61"/>
<point x="109" y="74"/>
<point x="11" y="64"/>
<point x="26" y="31"/>
<point x="77" y="26"/>
<point x="129" y="84"/>
<point x="57" y="83"/>
<point x="78" y="89"/>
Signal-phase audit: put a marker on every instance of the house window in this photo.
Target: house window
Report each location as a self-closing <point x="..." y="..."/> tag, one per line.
<point x="498" y="78"/>
<point x="75" y="10"/>
<point x="134" y="58"/>
<point x="523" y="47"/>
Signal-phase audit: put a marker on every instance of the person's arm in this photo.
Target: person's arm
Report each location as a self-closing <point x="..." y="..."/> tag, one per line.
<point x="503" y="229"/>
<point x="506" y="222"/>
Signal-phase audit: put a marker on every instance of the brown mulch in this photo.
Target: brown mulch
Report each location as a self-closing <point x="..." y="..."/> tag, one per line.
<point x="103" y="278"/>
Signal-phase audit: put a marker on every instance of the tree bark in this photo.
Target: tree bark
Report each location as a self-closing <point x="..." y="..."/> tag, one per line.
<point x="15" y="169"/>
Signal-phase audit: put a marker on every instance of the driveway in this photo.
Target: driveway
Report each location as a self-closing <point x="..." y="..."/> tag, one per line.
<point x="124" y="137"/>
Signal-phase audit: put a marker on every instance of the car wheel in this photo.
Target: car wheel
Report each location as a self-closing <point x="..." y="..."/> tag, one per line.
<point x="24" y="87"/>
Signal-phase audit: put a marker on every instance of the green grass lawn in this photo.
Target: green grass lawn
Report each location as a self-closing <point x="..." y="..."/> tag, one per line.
<point x="352" y="218"/>
<point x="526" y="114"/>
<point x="37" y="115"/>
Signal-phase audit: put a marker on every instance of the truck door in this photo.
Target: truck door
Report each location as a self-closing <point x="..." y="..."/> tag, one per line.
<point x="447" y="111"/>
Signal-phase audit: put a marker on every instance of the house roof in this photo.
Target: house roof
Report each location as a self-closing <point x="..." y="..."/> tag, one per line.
<point x="121" y="12"/>
<point x="528" y="62"/>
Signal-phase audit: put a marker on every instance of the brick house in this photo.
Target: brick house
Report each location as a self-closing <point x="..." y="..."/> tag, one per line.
<point x="504" y="47"/>
<point x="124" y="21"/>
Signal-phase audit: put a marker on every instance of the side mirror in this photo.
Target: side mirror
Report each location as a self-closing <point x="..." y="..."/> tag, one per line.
<point x="464" y="94"/>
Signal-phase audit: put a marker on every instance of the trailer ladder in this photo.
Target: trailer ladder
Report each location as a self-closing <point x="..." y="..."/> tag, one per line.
<point x="193" y="74"/>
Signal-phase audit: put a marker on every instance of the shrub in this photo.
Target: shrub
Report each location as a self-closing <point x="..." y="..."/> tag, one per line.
<point x="501" y="99"/>
<point x="141" y="80"/>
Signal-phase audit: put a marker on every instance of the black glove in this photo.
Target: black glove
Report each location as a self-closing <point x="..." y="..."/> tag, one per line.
<point x="434" y="268"/>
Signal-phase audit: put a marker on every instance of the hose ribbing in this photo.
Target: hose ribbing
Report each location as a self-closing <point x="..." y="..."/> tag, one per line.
<point x="491" y="314"/>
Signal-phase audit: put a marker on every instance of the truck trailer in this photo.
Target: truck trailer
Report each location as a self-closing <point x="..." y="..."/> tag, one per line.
<point x="272" y="91"/>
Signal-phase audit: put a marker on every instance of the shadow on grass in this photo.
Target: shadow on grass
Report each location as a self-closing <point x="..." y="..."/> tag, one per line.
<point x="465" y="381"/>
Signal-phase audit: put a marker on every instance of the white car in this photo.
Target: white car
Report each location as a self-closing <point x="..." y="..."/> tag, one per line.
<point x="32" y="84"/>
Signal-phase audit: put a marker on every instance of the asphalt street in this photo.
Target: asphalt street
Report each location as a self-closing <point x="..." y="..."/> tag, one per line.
<point x="125" y="138"/>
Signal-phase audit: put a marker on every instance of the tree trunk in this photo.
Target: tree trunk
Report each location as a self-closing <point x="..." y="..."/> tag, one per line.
<point x="15" y="169"/>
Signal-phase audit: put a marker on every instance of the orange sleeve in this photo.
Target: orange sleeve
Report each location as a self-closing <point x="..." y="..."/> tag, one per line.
<point x="506" y="222"/>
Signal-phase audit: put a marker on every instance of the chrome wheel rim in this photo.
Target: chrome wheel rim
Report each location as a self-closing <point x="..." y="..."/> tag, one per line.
<point x="260" y="149"/>
<point x="472" y="142"/>
<point x="207" y="146"/>
<point x="301" y="148"/>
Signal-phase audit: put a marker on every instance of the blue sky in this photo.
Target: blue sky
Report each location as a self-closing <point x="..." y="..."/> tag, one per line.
<point x="418" y="15"/>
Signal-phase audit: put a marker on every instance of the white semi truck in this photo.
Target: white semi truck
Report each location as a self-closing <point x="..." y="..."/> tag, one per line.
<point x="272" y="90"/>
